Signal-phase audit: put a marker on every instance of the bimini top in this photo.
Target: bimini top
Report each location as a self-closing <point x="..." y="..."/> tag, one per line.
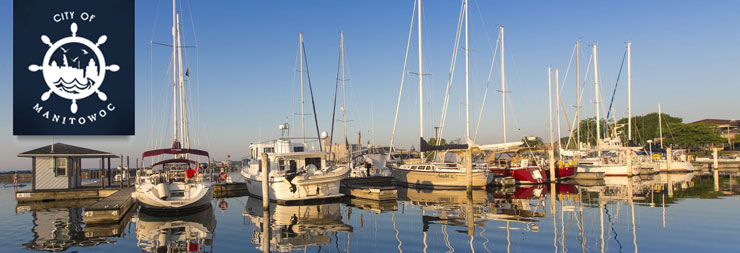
<point x="61" y="149"/>
<point x="173" y="151"/>
<point x="177" y="160"/>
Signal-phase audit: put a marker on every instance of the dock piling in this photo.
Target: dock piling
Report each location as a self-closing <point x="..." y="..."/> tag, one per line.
<point x="265" y="182"/>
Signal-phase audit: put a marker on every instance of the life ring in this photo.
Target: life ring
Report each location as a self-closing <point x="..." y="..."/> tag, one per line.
<point x="223" y="205"/>
<point x="222" y="176"/>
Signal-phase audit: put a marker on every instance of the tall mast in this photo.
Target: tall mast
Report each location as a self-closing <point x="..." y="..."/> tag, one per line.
<point x="578" y="95"/>
<point x="183" y="111"/>
<point x="467" y="76"/>
<point x="629" y="91"/>
<point x="596" y="85"/>
<point x="503" y="83"/>
<point x="174" y="73"/>
<point x="303" y="120"/>
<point x="660" y="125"/>
<point x="344" y="94"/>
<point x="557" y="109"/>
<point x="549" y="101"/>
<point x="421" y="82"/>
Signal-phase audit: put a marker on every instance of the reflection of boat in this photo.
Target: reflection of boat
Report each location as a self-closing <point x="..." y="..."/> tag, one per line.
<point x="189" y="233"/>
<point x="292" y="227"/>
<point x="295" y="174"/>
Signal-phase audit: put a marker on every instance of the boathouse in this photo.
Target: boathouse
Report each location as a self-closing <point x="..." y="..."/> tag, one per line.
<point x="59" y="166"/>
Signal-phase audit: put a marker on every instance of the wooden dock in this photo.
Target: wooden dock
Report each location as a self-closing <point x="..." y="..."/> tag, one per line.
<point x="111" y="209"/>
<point x="55" y="195"/>
<point x="377" y="193"/>
<point x="230" y="190"/>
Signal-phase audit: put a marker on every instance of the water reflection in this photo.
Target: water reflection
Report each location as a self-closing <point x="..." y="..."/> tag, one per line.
<point x="189" y="233"/>
<point x="58" y="226"/>
<point x="293" y="227"/>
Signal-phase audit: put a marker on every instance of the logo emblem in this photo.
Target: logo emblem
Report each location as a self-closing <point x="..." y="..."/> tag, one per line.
<point x="81" y="71"/>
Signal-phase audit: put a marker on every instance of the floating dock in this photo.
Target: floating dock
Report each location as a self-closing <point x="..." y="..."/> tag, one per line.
<point x="111" y="209"/>
<point x="230" y="190"/>
<point x="377" y="193"/>
<point x="56" y="195"/>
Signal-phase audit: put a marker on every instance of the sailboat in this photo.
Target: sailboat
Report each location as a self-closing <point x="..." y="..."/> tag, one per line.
<point x="444" y="174"/>
<point x="610" y="156"/>
<point x="296" y="173"/>
<point x="174" y="184"/>
<point x="679" y="160"/>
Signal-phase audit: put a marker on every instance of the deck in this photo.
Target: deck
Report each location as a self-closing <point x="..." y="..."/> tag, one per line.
<point x="111" y="209"/>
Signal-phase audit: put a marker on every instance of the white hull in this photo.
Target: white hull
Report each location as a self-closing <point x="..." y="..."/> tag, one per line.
<point x="300" y="187"/>
<point x="162" y="197"/>
<point x="609" y="170"/>
<point x="662" y="166"/>
<point x="441" y="179"/>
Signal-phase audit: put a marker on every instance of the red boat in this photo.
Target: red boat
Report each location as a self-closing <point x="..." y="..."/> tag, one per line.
<point x="533" y="174"/>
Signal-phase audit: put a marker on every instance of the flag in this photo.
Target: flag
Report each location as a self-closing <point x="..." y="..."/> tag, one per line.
<point x="187" y="72"/>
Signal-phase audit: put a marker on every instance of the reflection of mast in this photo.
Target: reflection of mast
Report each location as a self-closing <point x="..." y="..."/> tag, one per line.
<point x="632" y="207"/>
<point x="553" y="210"/>
<point x="395" y="227"/>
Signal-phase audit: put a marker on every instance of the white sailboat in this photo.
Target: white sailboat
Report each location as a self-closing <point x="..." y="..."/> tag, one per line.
<point x="174" y="184"/>
<point x="440" y="174"/>
<point x="610" y="157"/>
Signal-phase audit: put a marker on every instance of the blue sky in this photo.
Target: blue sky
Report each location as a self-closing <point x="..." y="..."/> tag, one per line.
<point x="684" y="56"/>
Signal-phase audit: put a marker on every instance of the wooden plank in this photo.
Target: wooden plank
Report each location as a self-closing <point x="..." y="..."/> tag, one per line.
<point x="110" y="209"/>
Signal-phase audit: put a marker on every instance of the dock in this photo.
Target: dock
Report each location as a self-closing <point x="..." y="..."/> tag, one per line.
<point x="230" y="190"/>
<point x="371" y="189"/>
<point x="111" y="209"/>
<point x="70" y="194"/>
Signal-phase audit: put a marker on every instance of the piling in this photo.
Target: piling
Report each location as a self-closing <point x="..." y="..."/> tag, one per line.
<point x="668" y="158"/>
<point x="715" y="157"/>
<point x="120" y="177"/>
<point x="629" y="164"/>
<point x="469" y="169"/>
<point x="265" y="182"/>
<point x="552" y="165"/>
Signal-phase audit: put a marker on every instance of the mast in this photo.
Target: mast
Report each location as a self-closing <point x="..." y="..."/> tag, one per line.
<point x="578" y="95"/>
<point x="467" y="76"/>
<point x="303" y="120"/>
<point x="183" y="110"/>
<point x="557" y="109"/>
<point x="344" y="94"/>
<point x="629" y="91"/>
<point x="549" y="100"/>
<point x="503" y="83"/>
<point x="660" y="125"/>
<point x="596" y="85"/>
<point x="421" y="82"/>
<point x="174" y="74"/>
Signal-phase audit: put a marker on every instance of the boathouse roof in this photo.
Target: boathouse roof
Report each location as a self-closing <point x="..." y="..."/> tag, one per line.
<point x="61" y="149"/>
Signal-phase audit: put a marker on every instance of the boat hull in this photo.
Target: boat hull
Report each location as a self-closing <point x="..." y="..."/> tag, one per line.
<point x="150" y="203"/>
<point x="440" y="180"/>
<point x="300" y="187"/>
<point x="609" y="170"/>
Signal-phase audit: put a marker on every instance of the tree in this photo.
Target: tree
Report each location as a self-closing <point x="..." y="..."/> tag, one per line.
<point x="532" y="141"/>
<point x="688" y="135"/>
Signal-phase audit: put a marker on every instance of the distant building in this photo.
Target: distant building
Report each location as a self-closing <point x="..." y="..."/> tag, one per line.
<point x="728" y="129"/>
<point x="58" y="166"/>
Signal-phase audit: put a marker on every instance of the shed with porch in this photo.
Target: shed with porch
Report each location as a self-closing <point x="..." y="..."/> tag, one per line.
<point x="59" y="166"/>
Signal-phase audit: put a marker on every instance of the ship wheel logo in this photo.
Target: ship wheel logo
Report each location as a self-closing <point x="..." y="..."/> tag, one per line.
<point x="79" y="78"/>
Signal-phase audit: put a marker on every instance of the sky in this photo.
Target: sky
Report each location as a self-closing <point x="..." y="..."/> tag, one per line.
<point x="244" y="78"/>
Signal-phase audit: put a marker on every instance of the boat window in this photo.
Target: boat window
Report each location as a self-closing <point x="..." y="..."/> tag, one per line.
<point x="281" y="164"/>
<point x="269" y="150"/>
<point x="297" y="149"/>
<point x="414" y="167"/>
<point x="315" y="161"/>
<point x="60" y="168"/>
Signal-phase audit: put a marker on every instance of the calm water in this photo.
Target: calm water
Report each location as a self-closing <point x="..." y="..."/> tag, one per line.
<point x="620" y="215"/>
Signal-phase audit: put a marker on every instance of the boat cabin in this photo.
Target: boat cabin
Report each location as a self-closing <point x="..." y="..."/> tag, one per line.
<point x="59" y="166"/>
<point x="286" y="156"/>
